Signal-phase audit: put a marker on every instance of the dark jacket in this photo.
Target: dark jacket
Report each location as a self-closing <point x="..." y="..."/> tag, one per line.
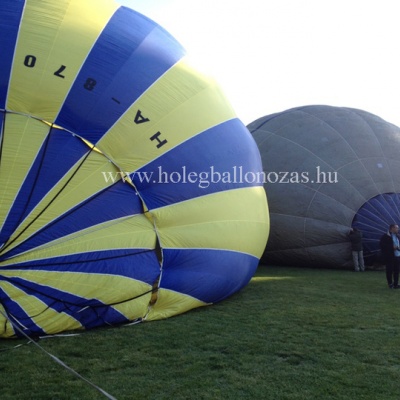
<point x="356" y="240"/>
<point x="387" y="250"/>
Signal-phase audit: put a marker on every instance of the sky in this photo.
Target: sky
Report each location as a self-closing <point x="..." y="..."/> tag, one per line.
<point x="272" y="55"/>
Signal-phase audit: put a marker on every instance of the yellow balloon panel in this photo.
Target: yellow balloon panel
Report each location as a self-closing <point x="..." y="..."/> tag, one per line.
<point x="231" y="215"/>
<point x="170" y="303"/>
<point x="134" y="232"/>
<point x="79" y="184"/>
<point x="165" y="108"/>
<point x="22" y="139"/>
<point x="53" y="43"/>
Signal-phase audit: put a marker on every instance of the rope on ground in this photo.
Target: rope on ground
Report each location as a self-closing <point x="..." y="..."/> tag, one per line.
<point x="57" y="360"/>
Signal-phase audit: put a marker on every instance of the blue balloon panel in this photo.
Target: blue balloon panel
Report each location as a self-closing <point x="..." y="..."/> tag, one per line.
<point x="374" y="218"/>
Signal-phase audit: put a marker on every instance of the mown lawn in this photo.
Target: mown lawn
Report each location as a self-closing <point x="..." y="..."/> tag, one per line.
<point x="290" y="334"/>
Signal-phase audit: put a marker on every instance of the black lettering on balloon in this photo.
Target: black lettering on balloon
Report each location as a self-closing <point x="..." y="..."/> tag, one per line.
<point x="90" y="84"/>
<point x="139" y="119"/>
<point x="160" y="142"/>
<point x="30" y="61"/>
<point x="58" y="72"/>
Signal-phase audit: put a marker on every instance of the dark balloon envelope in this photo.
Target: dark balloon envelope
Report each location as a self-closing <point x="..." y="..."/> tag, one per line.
<point x="111" y="206"/>
<point x="327" y="169"/>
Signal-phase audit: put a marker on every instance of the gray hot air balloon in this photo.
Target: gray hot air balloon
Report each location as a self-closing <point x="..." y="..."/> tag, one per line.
<point x="327" y="169"/>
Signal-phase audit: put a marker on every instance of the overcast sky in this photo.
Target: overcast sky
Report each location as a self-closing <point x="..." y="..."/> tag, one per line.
<point x="269" y="56"/>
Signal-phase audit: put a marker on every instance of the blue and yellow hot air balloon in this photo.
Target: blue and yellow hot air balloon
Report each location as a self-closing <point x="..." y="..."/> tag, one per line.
<point x="129" y="189"/>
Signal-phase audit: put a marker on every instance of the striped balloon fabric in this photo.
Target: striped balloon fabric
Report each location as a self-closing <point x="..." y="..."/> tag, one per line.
<point x="129" y="189"/>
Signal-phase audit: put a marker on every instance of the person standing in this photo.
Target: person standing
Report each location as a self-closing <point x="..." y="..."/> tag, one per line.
<point x="355" y="237"/>
<point x="390" y="250"/>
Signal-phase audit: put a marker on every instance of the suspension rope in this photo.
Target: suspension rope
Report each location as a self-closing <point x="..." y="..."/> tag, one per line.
<point x="58" y="361"/>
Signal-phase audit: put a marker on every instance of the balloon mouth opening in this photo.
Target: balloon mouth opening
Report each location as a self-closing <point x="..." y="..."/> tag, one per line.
<point x="373" y="219"/>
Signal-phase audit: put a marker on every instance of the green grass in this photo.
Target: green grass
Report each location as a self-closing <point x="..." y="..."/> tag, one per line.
<point x="290" y="334"/>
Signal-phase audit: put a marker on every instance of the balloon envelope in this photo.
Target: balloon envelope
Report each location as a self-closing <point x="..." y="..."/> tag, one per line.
<point x="112" y="204"/>
<point x="327" y="169"/>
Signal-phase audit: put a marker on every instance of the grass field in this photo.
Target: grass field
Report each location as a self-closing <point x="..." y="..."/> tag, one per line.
<point x="290" y="334"/>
